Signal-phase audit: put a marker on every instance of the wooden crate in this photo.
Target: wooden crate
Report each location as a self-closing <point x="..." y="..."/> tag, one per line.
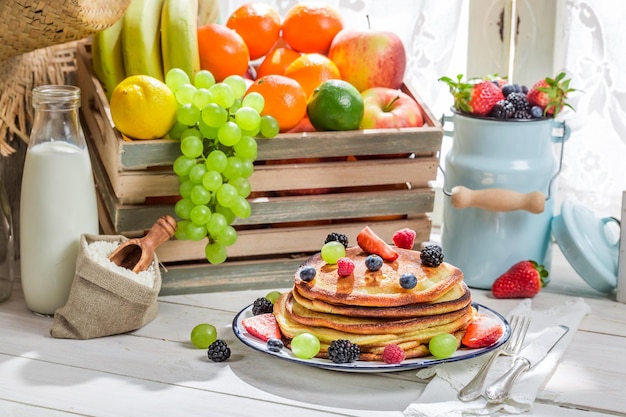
<point x="305" y="186"/>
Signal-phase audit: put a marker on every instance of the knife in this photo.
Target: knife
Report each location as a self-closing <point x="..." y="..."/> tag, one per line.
<point x="530" y="356"/>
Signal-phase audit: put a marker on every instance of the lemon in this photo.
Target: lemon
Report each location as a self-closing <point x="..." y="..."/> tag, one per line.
<point x="335" y="105"/>
<point x="143" y="107"/>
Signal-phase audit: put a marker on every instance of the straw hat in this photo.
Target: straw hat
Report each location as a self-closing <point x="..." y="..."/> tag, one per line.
<point x="33" y="35"/>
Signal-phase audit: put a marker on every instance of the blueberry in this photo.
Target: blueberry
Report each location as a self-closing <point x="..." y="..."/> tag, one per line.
<point x="524" y="89"/>
<point x="274" y="345"/>
<point x="536" y="112"/>
<point x="408" y="281"/>
<point x="307" y="273"/>
<point x="518" y="88"/>
<point x="374" y="262"/>
<point x="507" y="89"/>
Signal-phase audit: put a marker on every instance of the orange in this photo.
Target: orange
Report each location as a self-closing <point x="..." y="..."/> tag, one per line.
<point x="310" y="70"/>
<point x="311" y="26"/>
<point x="276" y="62"/>
<point x="285" y="99"/>
<point x="222" y="51"/>
<point x="259" y="26"/>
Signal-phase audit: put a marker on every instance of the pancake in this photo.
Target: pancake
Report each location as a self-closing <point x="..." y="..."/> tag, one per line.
<point x="456" y="298"/>
<point x="377" y="288"/>
<point x="367" y="325"/>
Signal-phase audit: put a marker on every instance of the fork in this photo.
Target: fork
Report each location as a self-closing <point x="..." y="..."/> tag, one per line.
<point x="519" y="327"/>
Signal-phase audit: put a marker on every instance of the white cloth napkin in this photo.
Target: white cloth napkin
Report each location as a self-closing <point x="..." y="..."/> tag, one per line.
<point x="439" y="398"/>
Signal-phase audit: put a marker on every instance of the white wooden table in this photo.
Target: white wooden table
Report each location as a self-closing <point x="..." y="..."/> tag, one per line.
<point x="155" y="371"/>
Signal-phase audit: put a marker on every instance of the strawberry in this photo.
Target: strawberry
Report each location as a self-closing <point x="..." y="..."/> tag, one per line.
<point x="404" y="238"/>
<point x="550" y="94"/>
<point x="370" y="242"/>
<point x="263" y="326"/>
<point x="523" y="280"/>
<point x="482" y="332"/>
<point x="476" y="97"/>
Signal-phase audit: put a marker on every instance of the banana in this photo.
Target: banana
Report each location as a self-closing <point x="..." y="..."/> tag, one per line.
<point x="141" y="40"/>
<point x="106" y="54"/>
<point x="179" y="38"/>
<point x="208" y="12"/>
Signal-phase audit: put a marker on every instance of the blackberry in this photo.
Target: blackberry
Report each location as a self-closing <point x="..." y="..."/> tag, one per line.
<point x="432" y="255"/>
<point x="218" y="351"/>
<point x="343" y="351"/>
<point x="522" y="114"/>
<point x="338" y="237"/>
<point x="261" y="306"/>
<point x="519" y="101"/>
<point x="373" y="262"/>
<point x="408" y="281"/>
<point x="503" y="109"/>
<point x="307" y="273"/>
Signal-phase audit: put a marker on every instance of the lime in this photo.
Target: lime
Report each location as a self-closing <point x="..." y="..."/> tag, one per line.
<point x="335" y="105"/>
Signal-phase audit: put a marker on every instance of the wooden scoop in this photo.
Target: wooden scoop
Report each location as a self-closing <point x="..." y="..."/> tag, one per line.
<point x="137" y="254"/>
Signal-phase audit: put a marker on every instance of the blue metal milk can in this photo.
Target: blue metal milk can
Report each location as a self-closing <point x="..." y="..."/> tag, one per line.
<point x="499" y="186"/>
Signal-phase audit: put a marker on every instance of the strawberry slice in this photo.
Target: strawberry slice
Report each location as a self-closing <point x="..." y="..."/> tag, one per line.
<point x="370" y="242"/>
<point x="482" y="332"/>
<point x="263" y="326"/>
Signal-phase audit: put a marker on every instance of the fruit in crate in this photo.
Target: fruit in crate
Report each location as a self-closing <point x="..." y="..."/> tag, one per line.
<point x="335" y="105"/>
<point x="369" y="58"/>
<point x="179" y="37"/>
<point x="223" y="51"/>
<point x="285" y="99"/>
<point x="389" y="108"/>
<point x="259" y="26"/>
<point x="498" y="99"/>
<point x="523" y="280"/>
<point x="311" y="27"/>
<point x="310" y="70"/>
<point x="108" y="61"/>
<point x="143" y="107"/>
<point x="141" y="38"/>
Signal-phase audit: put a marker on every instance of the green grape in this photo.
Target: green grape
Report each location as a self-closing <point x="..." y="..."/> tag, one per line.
<point x="273" y="296"/>
<point x="185" y="188"/>
<point x="200" y="195"/>
<point x="188" y="114"/>
<point x="254" y="100"/>
<point x="305" y="345"/>
<point x="235" y="106"/>
<point x="241" y="208"/>
<point x="201" y="98"/>
<point x="226" y="212"/>
<point x="332" y="251"/>
<point x="184" y="93"/>
<point x="215" y="252"/>
<point x="443" y="345"/>
<point x="191" y="146"/>
<point x="203" y="335"/>
<point x="222" y="94"/>
<point x="196" y="232"/>
<point x="229" y="134"/>
<point x="237" y="84"/>
<point x="197" y="172"/>
<point x="226" y="195"/>
<point x="183" y="208"/>
<point x="269" y="126"/>
<point x="200" y="215"/>
<point x="182" y="165"/>
<point x="226" y="237"/>
<point x="247" y="168"/>
<point x="176" y="130"/>
<point x="233" y="168"/>
<point x="248" y="118"/>
<point x="216" y="224"/>
<point x="204" y="79"/>
<point x="216" y="161"/>
<point x="176" y="77"/>
<point x="214" y="115"/>
<point x="206" y="130"/>
<point x="190" y="131"/>
<point x="252" y="133"/>
<point x="181" y="230"/>
<point x="246" y="148"/>
<point x="212" y="180"/>
<point x="242" y="185"/>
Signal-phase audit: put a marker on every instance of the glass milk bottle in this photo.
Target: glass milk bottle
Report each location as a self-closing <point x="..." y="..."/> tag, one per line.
<point x="58" y="200"/>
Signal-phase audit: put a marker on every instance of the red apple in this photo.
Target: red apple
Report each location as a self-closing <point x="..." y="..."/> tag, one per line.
<point x="389" y="108"/>
<point x="368" y="58"/>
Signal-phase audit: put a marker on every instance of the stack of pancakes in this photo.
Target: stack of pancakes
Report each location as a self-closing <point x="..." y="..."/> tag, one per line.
<point x="371" y="309"/>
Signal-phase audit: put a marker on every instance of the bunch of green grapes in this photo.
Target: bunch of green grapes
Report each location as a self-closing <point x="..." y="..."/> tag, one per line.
<point x="217" y="125"/>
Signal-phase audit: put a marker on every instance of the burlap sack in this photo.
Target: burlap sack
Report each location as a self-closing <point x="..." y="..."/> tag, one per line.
<point x="103" y="302"/>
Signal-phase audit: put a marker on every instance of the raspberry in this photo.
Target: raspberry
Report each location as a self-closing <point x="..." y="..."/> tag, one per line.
<point x="404" y="238"/>
<point x="345" y="267"/>
<point x="393" y="354"/>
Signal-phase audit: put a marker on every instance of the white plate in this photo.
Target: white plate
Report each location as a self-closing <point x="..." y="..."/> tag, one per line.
<point x="368" y="366"/>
